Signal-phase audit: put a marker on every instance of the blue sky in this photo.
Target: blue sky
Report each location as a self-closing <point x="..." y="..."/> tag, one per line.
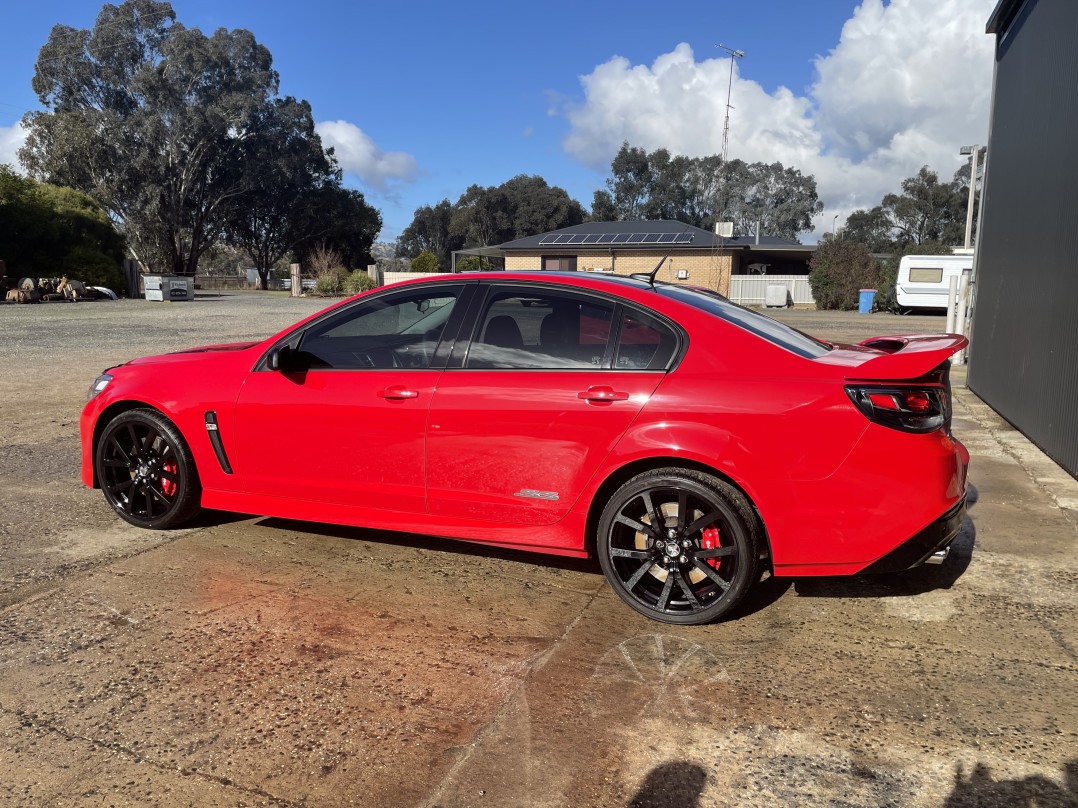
<point x="422" y="99"/>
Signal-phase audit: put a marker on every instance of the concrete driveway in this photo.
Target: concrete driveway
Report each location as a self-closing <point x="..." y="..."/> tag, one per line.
<point x="263" y="662"/>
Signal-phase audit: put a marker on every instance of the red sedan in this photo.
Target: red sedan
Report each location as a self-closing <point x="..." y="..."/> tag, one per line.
<point x="687" y="442"/>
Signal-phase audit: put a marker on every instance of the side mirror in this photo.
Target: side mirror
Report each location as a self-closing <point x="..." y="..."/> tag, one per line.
<point x="280" y="358"/>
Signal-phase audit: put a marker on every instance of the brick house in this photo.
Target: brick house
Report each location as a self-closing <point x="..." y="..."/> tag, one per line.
<point x="694" y="256"/>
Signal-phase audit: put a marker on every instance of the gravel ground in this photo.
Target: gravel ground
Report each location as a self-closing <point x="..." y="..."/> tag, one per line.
<point x="263" y="662"/>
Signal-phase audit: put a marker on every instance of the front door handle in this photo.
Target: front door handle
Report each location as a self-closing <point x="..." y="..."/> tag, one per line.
<point x="398" y="392"/>
<point x="602" y="394"/>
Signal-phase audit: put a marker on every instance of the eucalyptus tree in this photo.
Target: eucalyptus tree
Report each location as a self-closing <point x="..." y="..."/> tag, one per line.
<point x="150" y="117"/>
<point x="281" y="167"/>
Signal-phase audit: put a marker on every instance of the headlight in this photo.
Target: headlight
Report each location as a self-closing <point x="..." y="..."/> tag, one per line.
<point x="100" y="383"/>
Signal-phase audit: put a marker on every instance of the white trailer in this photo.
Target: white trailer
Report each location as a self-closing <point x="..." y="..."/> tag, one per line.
<point x="924" y="280"/>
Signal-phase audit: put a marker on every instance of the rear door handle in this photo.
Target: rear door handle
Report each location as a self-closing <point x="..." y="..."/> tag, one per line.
<point x="602" y="394"/>
<point x="397" y="392"/>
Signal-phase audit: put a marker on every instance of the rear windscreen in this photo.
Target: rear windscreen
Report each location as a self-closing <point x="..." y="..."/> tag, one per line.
<point x="759" y="324"/>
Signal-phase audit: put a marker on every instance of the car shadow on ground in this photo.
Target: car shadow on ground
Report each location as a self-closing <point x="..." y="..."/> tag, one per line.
<point x="424" y="542"/>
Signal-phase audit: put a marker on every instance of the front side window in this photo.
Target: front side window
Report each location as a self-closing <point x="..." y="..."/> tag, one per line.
<point x="540" y="330"/>
<point x="392" y="331"/>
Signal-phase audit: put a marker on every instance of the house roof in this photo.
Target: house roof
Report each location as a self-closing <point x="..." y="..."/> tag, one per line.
<point x="641" y="235"/>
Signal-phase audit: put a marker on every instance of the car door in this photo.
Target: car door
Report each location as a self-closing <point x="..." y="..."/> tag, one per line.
<point x="529" y="408"/>
<point x="342" y="419"/>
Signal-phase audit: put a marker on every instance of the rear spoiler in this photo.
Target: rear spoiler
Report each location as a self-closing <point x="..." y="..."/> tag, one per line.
<point x="906" y="356"/>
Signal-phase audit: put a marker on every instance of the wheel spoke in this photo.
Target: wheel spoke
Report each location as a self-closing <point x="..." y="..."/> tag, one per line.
<point x="149" y="441"/>
<point x="621" y="552"/>
<point x="682" y="510"/>
<point x="116" y="447"/>
<point x="715" y="552"/>
<point x="664" y="597"/>
<point x="713" y="574"/>
<point x="149" y="501"/>
<point x="687" y="589"/>
<point x="136" y="445"/>
<point x="118" y="464"/>
<point x="703" y="522"/>
<point x="641" y="570"/>
<point x="123" y="485"/>
<point x="160" y="496"/>
<point x="654" y="513"/>
<point x="639" y="527"/>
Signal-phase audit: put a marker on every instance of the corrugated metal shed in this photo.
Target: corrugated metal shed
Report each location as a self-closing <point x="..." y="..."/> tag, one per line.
<point x="1024" y="353"/>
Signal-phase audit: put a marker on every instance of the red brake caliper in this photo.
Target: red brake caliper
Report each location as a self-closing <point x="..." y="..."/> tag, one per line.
<point x="709" y="541"/>
<point x="168" y="486"/>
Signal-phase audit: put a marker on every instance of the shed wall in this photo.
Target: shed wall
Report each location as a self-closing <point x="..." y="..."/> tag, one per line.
<point x="1024" y="351"/>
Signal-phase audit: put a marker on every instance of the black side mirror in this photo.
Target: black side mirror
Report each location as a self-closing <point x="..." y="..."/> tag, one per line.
<point x="280" y="358"/>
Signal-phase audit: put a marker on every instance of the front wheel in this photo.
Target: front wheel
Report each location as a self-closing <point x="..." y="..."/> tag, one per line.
<point x="146" y="470"/>
<point x="679" y="546"/>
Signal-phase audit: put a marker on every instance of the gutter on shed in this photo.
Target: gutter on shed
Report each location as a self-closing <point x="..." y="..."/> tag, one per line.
<point x="1002" y="16"/>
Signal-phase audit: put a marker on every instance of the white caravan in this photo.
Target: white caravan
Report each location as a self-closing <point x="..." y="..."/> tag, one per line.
<point x="924" y="280"/>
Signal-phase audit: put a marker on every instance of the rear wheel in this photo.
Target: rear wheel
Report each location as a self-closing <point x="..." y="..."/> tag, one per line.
<point x="679" y="546"/>
<point x="146" y="470"/>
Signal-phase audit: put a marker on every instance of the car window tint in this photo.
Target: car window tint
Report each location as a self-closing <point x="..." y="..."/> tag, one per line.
<point x="644" y="343"/>
<point x="394" y="331"/>
<point x="759" y="324"/>
<point x="541" y="331"/>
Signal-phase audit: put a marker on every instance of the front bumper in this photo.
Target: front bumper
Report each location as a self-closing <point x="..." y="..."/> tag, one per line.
<point x="921" y="547"/>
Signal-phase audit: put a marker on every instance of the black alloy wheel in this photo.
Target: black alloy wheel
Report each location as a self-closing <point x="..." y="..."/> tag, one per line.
<point x="679" y="546"/>
<point x="146" y="470"/>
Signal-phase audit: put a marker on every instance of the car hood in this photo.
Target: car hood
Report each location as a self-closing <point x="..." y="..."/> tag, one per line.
<point x="187" y="353"/>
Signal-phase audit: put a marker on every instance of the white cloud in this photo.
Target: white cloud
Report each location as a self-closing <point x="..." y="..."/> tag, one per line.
<point x="906" y="85"/>
<point x="11" y="140"/>
<point x="359" y="155"/>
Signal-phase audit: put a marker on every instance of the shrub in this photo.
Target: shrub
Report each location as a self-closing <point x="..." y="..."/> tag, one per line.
<point x="358" y="281"/>
<point x="426" y="261"/>
<point x="839" y="270"/>
<point x="473" y="263"/>
<point x="330" y="281"/>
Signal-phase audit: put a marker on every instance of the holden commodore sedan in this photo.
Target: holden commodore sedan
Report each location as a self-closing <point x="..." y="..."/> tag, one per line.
<point x="687" y="442"/>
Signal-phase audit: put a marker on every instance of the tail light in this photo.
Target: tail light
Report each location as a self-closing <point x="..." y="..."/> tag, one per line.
<point x="920" y="406"/>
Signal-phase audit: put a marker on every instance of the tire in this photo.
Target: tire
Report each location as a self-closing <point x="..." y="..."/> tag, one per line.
<point x="146" y="471"/>
<point x="699" y="566"/>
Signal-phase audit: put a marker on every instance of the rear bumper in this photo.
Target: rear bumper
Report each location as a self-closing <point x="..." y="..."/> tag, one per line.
<point x="921" y="547"/>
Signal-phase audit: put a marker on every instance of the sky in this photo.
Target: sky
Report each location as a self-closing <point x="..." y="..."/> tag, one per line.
<point x="421" y="100"/>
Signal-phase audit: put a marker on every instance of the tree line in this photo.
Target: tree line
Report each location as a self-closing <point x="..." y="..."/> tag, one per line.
<point x="183" y="139"/>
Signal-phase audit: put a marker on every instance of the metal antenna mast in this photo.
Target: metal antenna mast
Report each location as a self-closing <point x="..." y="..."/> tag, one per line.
<point x="734" y="54"/>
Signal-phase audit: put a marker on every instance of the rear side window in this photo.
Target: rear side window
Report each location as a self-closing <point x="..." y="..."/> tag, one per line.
<point x="761" y="325"/>
<point x="644" y="343"/>
<point x="540" y="330"/>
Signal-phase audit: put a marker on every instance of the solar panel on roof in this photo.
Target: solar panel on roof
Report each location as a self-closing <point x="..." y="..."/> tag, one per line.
<point x="564" y="239"/>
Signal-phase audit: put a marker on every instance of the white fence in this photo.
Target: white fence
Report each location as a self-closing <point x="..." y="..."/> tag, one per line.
<point x="394" y="277"/>
<point x="751" y="290"/>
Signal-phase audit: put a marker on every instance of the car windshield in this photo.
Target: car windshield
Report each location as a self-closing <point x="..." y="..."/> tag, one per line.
<point x="759" y="324"/>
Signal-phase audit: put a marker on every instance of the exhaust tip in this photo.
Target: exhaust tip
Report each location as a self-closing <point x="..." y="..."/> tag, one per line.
<point x="939" y="556"/>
